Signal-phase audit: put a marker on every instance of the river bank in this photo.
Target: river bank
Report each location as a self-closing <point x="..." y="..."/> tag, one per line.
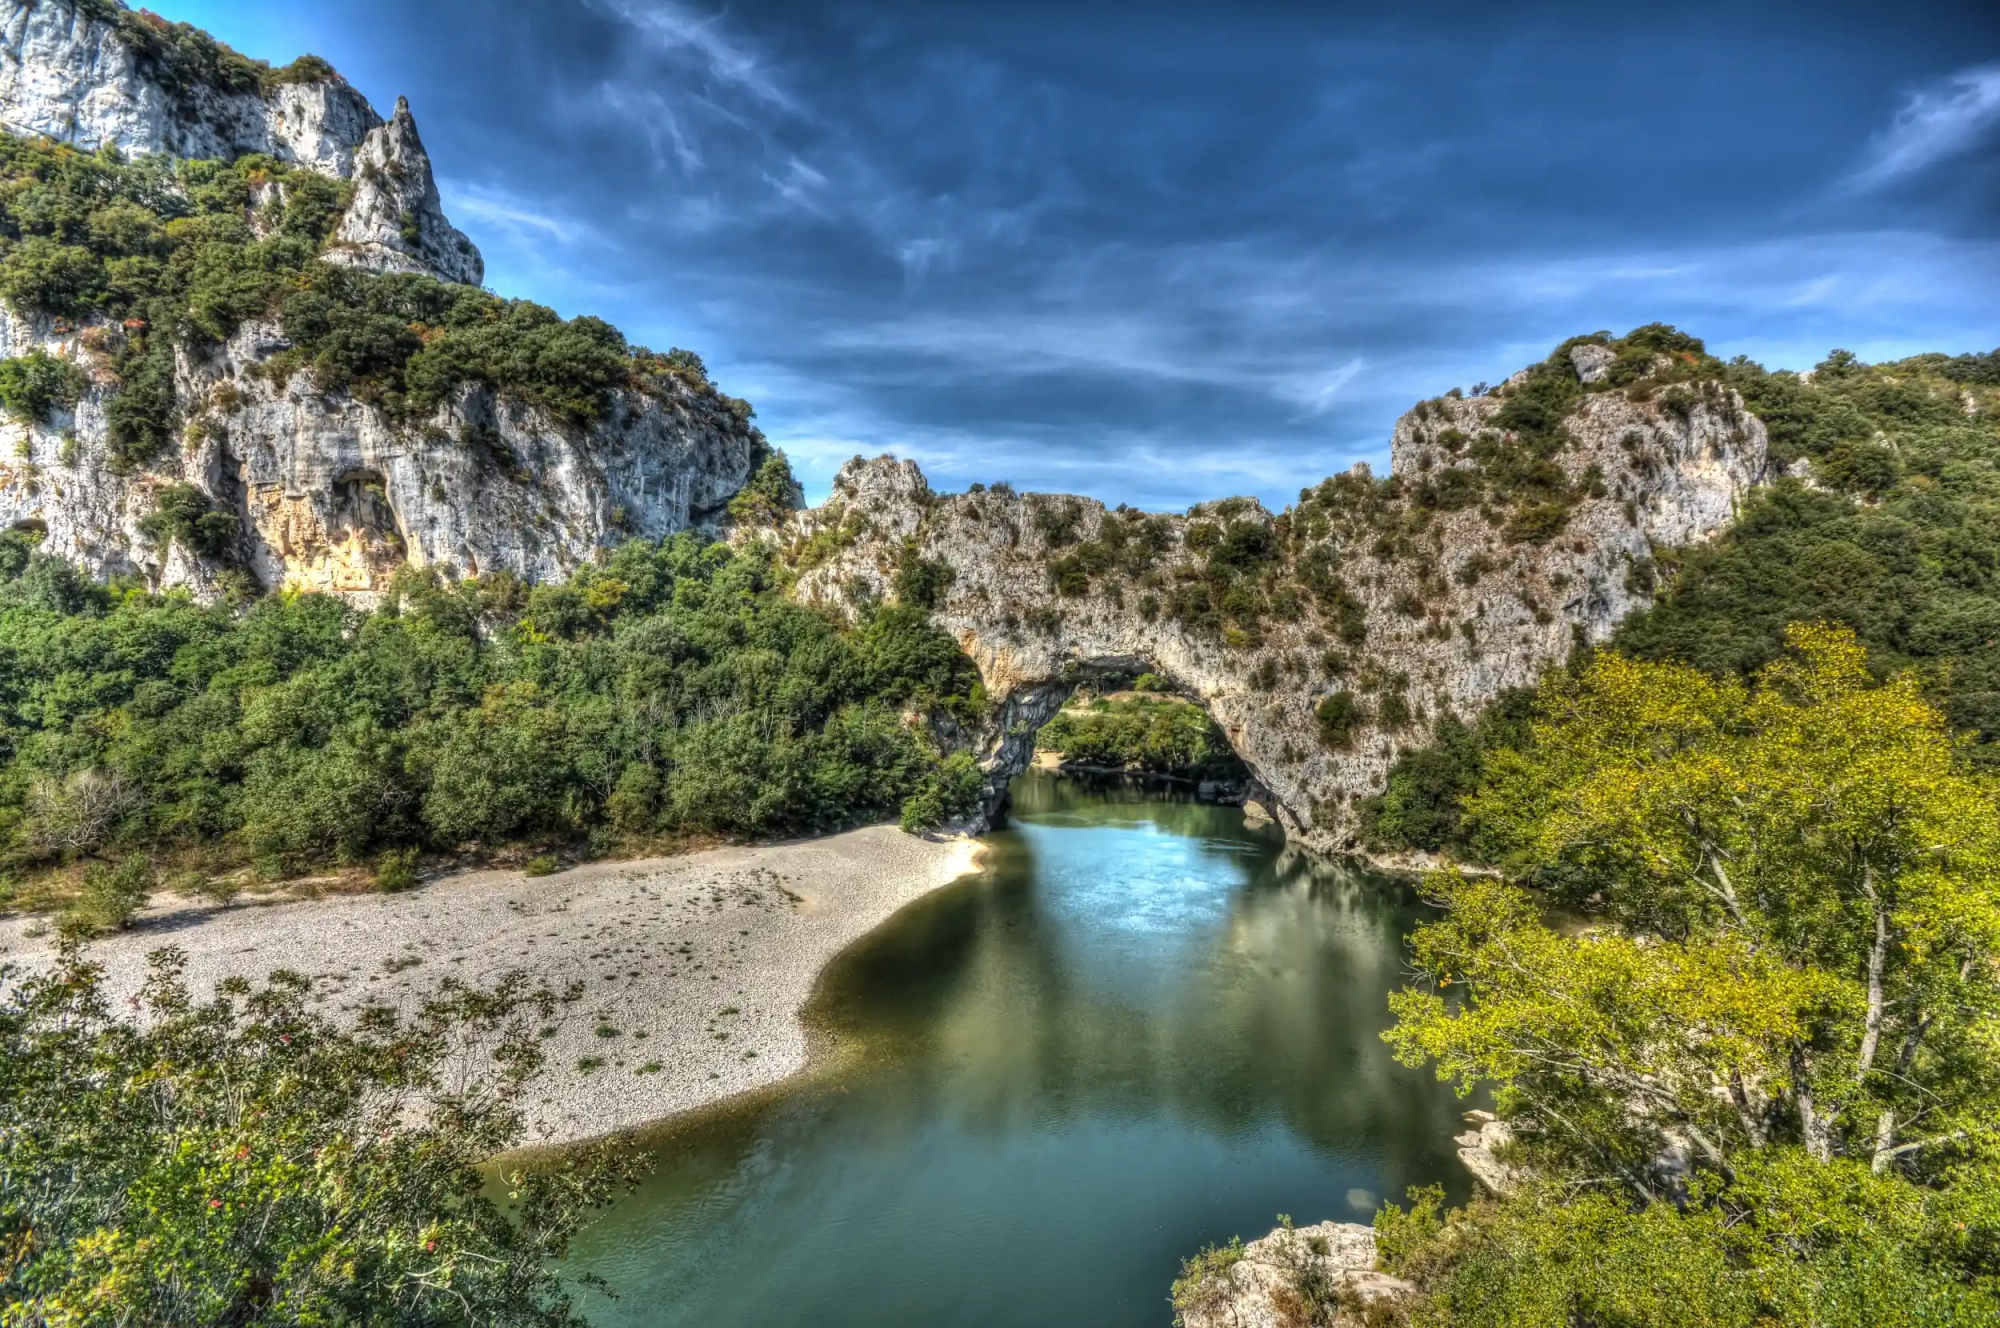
<point x="693" y="969"/>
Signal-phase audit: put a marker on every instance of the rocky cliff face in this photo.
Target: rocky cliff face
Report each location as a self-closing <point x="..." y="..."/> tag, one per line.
<point x="1325" y="640"/>
<point x="322" y="490"/>
<point x="332" y="494"/>
<point x="92" y="73"/>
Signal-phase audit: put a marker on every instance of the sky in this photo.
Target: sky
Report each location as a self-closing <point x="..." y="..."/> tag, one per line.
<point x="1158" y="252"/>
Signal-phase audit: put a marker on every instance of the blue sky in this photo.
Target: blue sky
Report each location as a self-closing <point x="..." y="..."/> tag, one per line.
<point x="1158" y="252"/>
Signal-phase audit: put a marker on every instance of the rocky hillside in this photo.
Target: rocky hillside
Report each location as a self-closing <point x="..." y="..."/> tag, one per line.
<point x="1327" y="638"/>
<point x="95" y="74"/>
<point x="247" y="351"/>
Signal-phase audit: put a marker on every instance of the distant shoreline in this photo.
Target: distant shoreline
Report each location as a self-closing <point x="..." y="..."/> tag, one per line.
<point x="700" y="965"/>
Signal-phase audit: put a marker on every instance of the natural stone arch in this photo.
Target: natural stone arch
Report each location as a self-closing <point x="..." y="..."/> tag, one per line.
<point x="1449" y="617"/>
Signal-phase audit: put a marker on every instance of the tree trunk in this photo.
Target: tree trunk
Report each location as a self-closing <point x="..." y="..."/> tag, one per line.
<point x="1878" y="959"/>
<point x="1885" y="1141"/>
<point x="1816" y="1129"/>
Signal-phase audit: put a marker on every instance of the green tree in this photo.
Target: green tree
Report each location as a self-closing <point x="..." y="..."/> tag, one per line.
<point x="247" y="1161"/>
<point x="1766" y="1045"/>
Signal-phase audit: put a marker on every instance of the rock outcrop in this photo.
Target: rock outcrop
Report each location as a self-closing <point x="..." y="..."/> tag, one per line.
<point x="1377" y="607"/>
<point x="1297" y="1275"/>
<point x="395" y="222"/>
<point x="1480" y="1149"/>
<point x="322" y="489"/>
<point x="92" y="73"/>
<point x="332" y="494"/>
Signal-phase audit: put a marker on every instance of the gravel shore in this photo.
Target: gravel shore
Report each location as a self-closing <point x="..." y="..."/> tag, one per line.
<point x="694" y="969"/>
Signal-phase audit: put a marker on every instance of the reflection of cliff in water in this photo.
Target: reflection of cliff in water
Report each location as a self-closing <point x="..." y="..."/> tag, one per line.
<point x="1107" y="979"/>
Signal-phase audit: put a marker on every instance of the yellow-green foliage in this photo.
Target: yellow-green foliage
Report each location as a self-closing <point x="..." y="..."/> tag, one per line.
<point x="246" y="1160"/>
<point x="1786" y="968"/>
<point x="1204" y="1286"/>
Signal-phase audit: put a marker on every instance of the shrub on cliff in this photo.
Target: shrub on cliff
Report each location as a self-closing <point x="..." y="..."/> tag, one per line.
<point x="34" y="384"/>
<point x="770" y="493"/>
<point x="172" y="254"/>
<point x="1907" y="555"/>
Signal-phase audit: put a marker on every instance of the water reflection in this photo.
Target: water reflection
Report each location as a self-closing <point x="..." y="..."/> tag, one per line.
<point x="1143" y="1027"/>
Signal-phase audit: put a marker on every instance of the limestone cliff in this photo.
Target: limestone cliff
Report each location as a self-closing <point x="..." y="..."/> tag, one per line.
<point x="305" y="477"/>
<point x="95" y="74"/>
<point x="332" y="494"/>
<point x="1327" y="639"/>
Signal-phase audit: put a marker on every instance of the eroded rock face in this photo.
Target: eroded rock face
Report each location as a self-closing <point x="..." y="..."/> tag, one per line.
<point x="332" y="494"/>
<point x="1459" y="611"/>
<point x="69" y="75"/>
<point x="1293" y="1266"/>
<point x="395" y="222"/>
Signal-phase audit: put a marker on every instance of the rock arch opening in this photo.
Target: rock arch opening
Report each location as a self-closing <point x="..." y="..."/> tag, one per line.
<point x="1117" y="717"/>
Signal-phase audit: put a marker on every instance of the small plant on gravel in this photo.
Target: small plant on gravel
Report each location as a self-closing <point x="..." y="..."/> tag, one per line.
<point x="607" y="1031"/>
<point x="396" y="869"/>
<point x="111" y="897"/>
<point x="650" y="1067"/>
<point x="545" y="865"/>
<point x="589" y="1064"/>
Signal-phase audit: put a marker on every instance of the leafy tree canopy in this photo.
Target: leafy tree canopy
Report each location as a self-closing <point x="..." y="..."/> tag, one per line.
<point x="1758" y="1068"/>
<point x="245" y="1160"/>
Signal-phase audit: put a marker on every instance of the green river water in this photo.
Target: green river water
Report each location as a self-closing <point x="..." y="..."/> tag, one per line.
<point x="1143" y="1027"/>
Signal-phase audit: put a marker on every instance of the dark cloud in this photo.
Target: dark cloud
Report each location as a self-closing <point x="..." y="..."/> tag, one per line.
<point x="1163" y="251"/>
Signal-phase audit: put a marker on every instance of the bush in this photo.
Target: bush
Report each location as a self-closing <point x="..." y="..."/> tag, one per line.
<point x="541" y="866"/>
<point x="396" y="870"/>
<point x="63" y="279"/>
<point x="1339" y="715"/>
<point x="771" y="493"/>
<point x="922" y="582"/>
<point x="111" y="896"/>
<point x="34" y="384"/>
<point x="949" y="792"/>
<point x="184" y="515"/>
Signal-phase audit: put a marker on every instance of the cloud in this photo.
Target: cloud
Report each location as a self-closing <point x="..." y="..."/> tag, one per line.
<point x="670" y="27"/>
<point x="484" y="204"/>
<point x="1933" y="124"/>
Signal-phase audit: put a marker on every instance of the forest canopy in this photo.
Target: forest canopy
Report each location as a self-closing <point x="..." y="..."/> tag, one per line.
<point x="671" y="691"/>
<point x="1753" y="1079"/>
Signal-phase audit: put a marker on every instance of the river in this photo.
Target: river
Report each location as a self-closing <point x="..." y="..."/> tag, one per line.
<point x="1144" y="1026"/>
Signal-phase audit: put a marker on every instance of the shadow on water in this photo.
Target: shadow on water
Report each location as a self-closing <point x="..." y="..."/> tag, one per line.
<point x="1141" y="1028"/>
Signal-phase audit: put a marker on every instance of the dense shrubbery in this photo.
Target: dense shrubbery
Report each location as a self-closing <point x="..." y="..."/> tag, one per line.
<point x="170" y="254"/>
<point x="1901" y="542"/>
<point x="1754" y="1079"/>
<point x="1158" y="735"/>
<point x="247" y="1160"/>
<point x="669" y="691"/>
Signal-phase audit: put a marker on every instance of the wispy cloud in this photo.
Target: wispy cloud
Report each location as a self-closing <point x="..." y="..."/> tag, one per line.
<point x="487" y="206"/>
<point x="1934" y="123"/>
<point x="673" y="27"/>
